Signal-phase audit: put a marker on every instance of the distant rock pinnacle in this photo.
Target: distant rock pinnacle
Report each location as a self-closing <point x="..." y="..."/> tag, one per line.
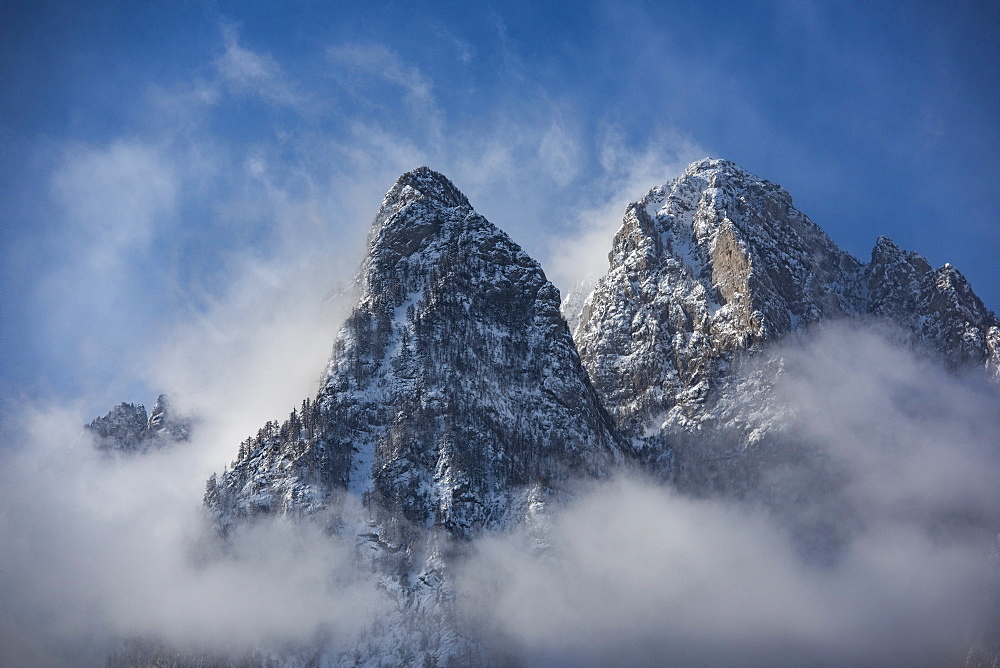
<point x="126" y="428"/>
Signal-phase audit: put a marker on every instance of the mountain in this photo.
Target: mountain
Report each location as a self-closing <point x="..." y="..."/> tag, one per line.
<point x="457" y="402"/>
<point x="936" y="306"/>
<point x="716" y="264"/>
<point x="127" y="427"/>
<point x="707" y="274"/>
<point x="454" y="402"/>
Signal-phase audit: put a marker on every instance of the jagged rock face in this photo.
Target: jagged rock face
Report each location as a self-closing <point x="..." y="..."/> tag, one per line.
<point x="937" y="307"/>
<point x="719" y="262"/>
<point x="126" y="428"/>
<point x="453" y="386"/>
<point x="163" y="421"/>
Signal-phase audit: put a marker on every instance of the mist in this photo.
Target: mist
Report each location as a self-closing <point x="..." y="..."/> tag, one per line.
<point x="632" y="572"/>
<point x="218" y="271"/>
<point x="99" y="549"/>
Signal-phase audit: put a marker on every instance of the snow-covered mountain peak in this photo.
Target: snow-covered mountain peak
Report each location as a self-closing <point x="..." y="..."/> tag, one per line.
<point x="708" y="167"/>
<point x="422" y="188"/>
<point x="719" y="262"/>
<point x="886" y="252"/>
<point x="127" y="428"/>
<point x="453" y="390"/>
<point x="432" y="185"/>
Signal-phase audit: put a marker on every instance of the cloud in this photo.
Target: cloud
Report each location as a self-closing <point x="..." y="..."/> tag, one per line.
<point x="256" y="351"/>
<point x="98" y="549"/>
<point x="370" y="62"/>
<point x="175" y="238"/>
<point x="465" y="50"/>
<point x="246" y="72"/>
<point x="559" y="154"/>
<point x="636" y="574"/>
<point x="115" y="203"/>
<point x="918" y="442"/>
<point x="632" y="572"/>
<point x="113" y="198"/>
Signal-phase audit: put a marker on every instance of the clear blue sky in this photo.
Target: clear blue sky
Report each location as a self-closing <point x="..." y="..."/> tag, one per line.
<point x="158" y="158"/>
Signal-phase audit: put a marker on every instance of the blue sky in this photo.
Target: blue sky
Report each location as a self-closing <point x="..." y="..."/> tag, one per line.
<point x="184" y="185"/>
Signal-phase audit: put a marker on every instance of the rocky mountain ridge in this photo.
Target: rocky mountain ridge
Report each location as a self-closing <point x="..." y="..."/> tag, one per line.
<point x="454" y="403"/>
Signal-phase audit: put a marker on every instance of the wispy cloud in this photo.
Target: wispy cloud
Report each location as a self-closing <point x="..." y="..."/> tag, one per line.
<point x="113" y="197"/>
<point x="627" y="172"/>
<point x="559" y="154"/>
<point x="114" y="203"/>
<point x="374" y="62"/>
<point x="250" y="73"/>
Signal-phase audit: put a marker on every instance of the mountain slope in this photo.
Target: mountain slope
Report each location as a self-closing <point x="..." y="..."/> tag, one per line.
<point x="454" y="402"/>
<point x="937" y="307"/>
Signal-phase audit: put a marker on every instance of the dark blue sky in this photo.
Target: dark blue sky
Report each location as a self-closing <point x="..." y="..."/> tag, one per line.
<point x="158" y="158"/>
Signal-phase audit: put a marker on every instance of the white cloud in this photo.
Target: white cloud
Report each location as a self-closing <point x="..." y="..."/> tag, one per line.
<point x="917" y="441"/>
<point x="560" y="154"/>
<point x="115" y="202"/>
<point x="98" y="549"/>
<point x="247" y="72"/>
<point x="113" y="197"/>
<point x="634" y="573"/>
<point x="375" y="61"/>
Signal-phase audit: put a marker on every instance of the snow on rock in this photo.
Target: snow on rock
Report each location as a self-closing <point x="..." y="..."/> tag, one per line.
<point x="937" y="307"/>
<point x="705" y="273"/>
<point x="456" y="402"/>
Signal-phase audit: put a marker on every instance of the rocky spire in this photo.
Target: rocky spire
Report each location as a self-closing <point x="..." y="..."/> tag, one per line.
<point x="709" y="264"/>
<point x="420" y="185"/>
<point x="125" y="428"/>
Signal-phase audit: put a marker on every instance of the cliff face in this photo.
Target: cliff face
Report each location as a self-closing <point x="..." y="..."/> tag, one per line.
<point x="936" y="307"/>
